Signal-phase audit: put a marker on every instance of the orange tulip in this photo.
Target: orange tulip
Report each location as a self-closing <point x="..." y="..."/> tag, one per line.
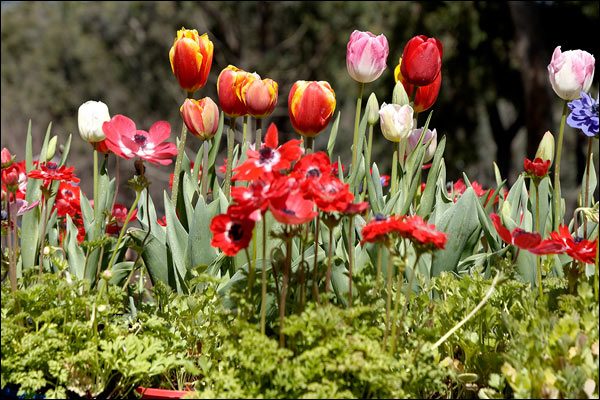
<point x="259" y="96"/>
<point x="201" y="117"/>
<point x="191" y="58"/>
<point x="229" y="89"/>
<point x="310" y="106"/>
<point x="425" y="96"/>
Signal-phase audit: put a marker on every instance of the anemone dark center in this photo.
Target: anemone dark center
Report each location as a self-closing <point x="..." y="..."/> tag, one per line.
<point x="266" y="154"/>
<point x="288" y="211"/>
<point x="68" y="193"/>
<point x="140" y="139"/>
<point x="52" y="166"/>
<point x="380" y="217"/>
<point x="236" y="232"/>
<point x="313" y="173"/>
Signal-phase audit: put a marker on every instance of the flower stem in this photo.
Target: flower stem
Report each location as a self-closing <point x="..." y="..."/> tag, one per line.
<point x="367" y="162"/>
<point x="350" y="258"/>
<point x="180" y="153"/>
<point x="411" y="280"/>
<point x="45" y="217"/>
<point x="250" y="275"/>
<point x="309" y="145"/>
<point x="303" y="243"/>
<point x="378" y="272"/>
<point x="263" y="294"/>
<point x="12" y="266"/>
<point x="329" y="259"/>
<point x="586" y="194"/>
<point x="230" y="140"/>
<point x="537" y="229"/>
<point x="245" y="121"/>
<point x="388" y="302"/>
<point x="286" y="273"/>
<point x="557" y="195"/>
<point x="204" y="179"/>
<point x="361" y="87"/>
<point x="316" y="255"/>
<point x="124" y="228"/>
<point x="394" y="172"/>
<point x="258" y="137"/>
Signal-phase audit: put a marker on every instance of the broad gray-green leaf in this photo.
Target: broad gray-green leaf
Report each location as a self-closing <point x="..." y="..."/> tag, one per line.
<point x="200" y="250"/>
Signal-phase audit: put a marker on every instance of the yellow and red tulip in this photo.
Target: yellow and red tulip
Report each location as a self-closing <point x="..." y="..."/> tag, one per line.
<point x="310" y="106"/>
<point x="229" y="89"/>
<point x="259" y="95"/>
<point x="201" y="117"/>
<point x="191" y="58"/>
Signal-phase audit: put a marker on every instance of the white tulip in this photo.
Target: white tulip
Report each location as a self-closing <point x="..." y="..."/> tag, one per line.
<point x="91" y="116"/>
<point x="396" y="121"/>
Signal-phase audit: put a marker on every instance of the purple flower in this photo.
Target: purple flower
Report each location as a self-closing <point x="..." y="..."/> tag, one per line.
<point x="584" y="114"/>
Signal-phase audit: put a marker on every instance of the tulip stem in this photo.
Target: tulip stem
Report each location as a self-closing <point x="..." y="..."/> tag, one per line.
<point x="350" y="258"/>
<point x="245" y="121"/>
<point x="204" y="172"/>
<point x="258" y="138"/>
<point x="388" y="302"/>
<point x="179" y="159"/>
<point x="316" y="259"/>
<point x="230" y="139"/>
<point x="250" y="276"/>
<point x="394" y="172"/>
<point x="557" y="194"/>
<point x="361" y="87"/>
<point x="263" y="299"/>
<point x="537" y="229"/>
<point x="378" y="269"/>
<point x="124" y="228"/>
<point x="12" y="266"/>
<point x="368" y="162"/>
<point x="309" y="146"/>
<point x="329" y="259"/>
<point x="586" y="194"/>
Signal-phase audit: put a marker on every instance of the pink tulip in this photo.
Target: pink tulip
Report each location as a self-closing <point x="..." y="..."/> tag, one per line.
<point x="366" y="56"/>
<point x="571" y="72"/>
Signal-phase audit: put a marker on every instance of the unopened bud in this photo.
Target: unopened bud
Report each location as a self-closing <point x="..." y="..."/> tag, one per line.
<point x="51" y="149"/>
<point x="372" y="109"/>
<point x="107" y="275"/>
<point x="545" y="150"/>
<point x="46" y="251"/>
<point x="400" y="96"/>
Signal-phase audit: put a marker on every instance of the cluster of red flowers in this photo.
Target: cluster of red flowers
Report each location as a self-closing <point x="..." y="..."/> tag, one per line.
<point x="292" y="186"/>
<point x="459" y="187"/>
<point x="559" y="242"/>
<point x="537" y="168"/>
<point x="14" y="177"/>
<point x="425" y="236"/>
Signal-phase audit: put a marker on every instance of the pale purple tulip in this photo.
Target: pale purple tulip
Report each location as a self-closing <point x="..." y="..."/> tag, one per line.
<point x="571" y="72"/>
<point x="429" y="140"/>
<point x="366" y="56"/>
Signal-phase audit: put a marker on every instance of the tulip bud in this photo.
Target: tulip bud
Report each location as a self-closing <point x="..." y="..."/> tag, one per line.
<point x="259" y="96"/>
<point x="399" y="96"/>
<point x="421" y="60"/>
<point x="201" y="117"/>
<point x="366" y="56"/>
<point x="571" y="72"/>
<point x="310" y="106"/>
<point x="429" y="140"/>
<point x="107" y="275"/>
<point x="396" y="121"/>
<point x="191" y="58"/>
<point x="90" y="117"/>
<point x="229" y="89"/>
<point x="372" y="109"/>
<point x="545" y="150"/>
<point x="51" y="149"/>
<point x="7" y="158"/>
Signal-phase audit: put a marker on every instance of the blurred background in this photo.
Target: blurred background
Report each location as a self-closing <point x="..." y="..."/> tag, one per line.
<point x="495" y="102"/>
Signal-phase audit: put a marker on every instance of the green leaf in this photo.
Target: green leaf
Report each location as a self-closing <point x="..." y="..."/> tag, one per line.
<point x="333" y="134"/>
<point x="120" y="271"/>
<point x="147" y="217"/>
<point x="428" y="196"/>
<point x="215" y="142"/>
<point x="177" y="239"/>
<point x="75" y="254"/>
<point x="157" y="259"/>
<point x="199" y="248"/>
<point x="461" y="225"/>
<point x="65" y="152"/>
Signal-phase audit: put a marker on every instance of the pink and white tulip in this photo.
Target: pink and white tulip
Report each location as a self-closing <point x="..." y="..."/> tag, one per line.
<point x="571" y="72"/>
<point x="396" y="121"/>
<point x="366" y="56"/>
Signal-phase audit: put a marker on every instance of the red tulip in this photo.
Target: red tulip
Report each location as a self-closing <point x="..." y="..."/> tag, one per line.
<point x="424" y="96"/>
<point x="310" y="106"/>
<point x="537" y="168"/>
<point x="422" y="60"/>
<point x="229" y="89"/>
<point x="191" y="58"/>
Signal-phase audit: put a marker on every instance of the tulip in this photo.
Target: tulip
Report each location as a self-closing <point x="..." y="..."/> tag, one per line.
<point x="310" y="106"/>
<point x="372" y="110"/>
<point x="545" y="150"/>
<point x="259" y="96"/>
<point x="191" y="58"/>
<point x="7" y="158"/>
<point x="399" y="95"/>
<point x="201" y="117"/>
<point x="422" y="60"/>
<point x="229" y="90"/>
<point x="366" y="56"/>
<point x="90" y="117"/>
<point x="429" y="139"/>
<point x="396" y="121"/>
<point x="424" y="96"/>
<point x="571" y="72"/>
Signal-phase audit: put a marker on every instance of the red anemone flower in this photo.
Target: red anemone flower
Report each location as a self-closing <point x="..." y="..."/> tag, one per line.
<point x="537" y="168"/>
<point x="330" y="194"/>
<point x="118" y="218"/>
<point x="422" y="233"/>
<point x="123" y="139"/>
<point x="270" y="158"/>
<point x="68" y="200"/>
<point x="313" y="166"/>
<point x="379" y="228"/>
<point x="579" y="249"/>
<point x="356" y="208"/>
<point x="517" y="237"/>
<point x="50" y="171"/>
<point x="253" y="201"/>
<point x="292" y="208"/>
<point x="231" y="234"/>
